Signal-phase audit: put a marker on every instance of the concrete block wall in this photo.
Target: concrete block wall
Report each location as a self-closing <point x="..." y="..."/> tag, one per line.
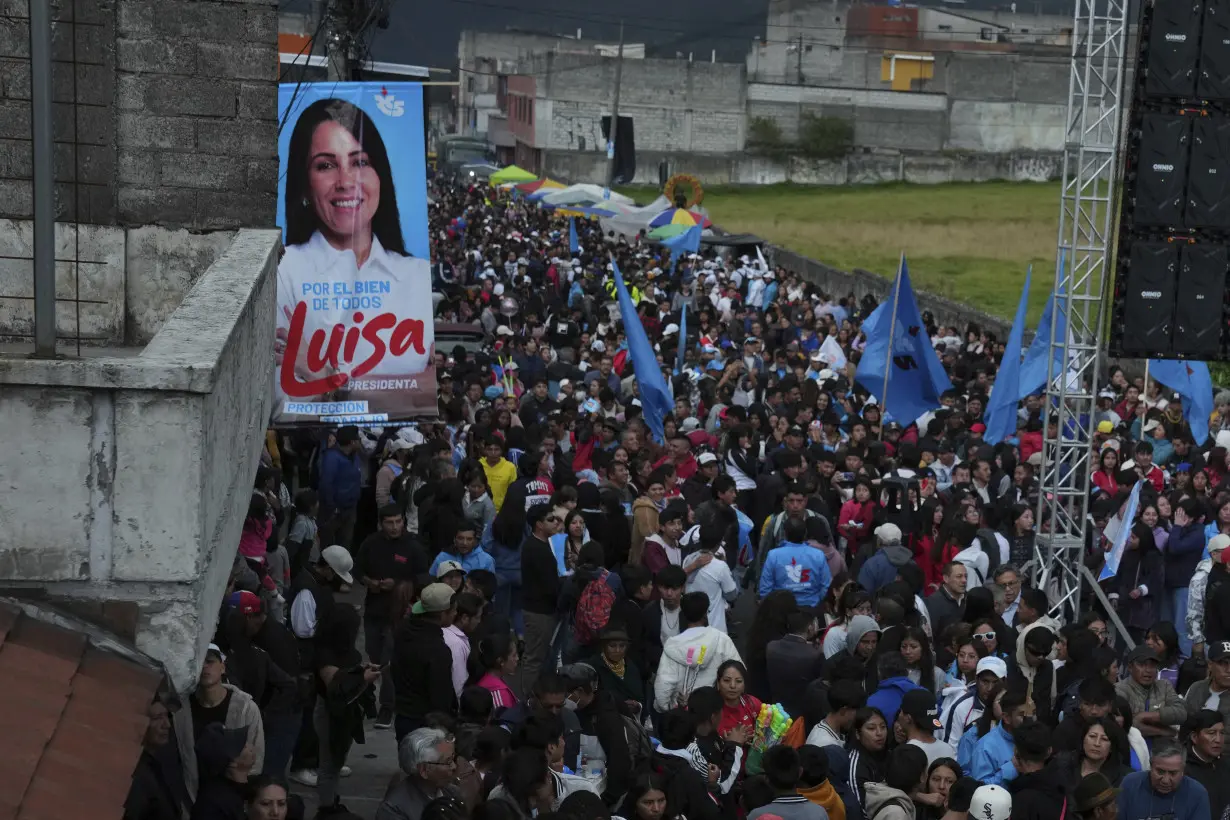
<point x="109" y="517"/>
<point x="166" y="112"/>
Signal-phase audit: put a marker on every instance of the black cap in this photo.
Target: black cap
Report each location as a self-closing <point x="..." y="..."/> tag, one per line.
<point x="1219" y="650"/>
<point x="1143" y="653"/>
<point x="919" y="706"/>
<point x="1092" y="791"/>
<point x="796" y="430"/>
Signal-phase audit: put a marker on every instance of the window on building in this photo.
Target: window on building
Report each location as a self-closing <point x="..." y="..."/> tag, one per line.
<point x="470" y="84"/>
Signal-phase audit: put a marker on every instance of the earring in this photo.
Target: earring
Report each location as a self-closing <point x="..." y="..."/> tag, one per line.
<point x="304" y="202"/>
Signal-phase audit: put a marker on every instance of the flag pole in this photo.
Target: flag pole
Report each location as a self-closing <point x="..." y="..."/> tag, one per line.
<point x="892" y="330"/>
<point x="1146" y="399"/>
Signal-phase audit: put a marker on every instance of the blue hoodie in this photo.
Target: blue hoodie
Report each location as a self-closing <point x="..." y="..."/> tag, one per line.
<point x="1137" y="800"/>
<point x="888" y="697"/>
<point x="993" y="758"/>
<point x="341" y="480"/>
<point x="800" y="569"/>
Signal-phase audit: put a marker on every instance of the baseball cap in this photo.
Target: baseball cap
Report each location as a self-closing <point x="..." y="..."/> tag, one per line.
<point x="995" y="666"/>
<point x="991" y="803"/>
<point x="217" y="650"/>
<point x="1143" y="653"/>
<point x="919" y="705"/>
<point x="249" y="603"/>
<point x="435" y="598"/>
<point x="449" y="566"/>
<point x="339" y="560"/>
<point x="1218" y="542"/>
<point x="710" y="458"/>
<point x="888" y="534"/>
<point x="796" y="430"/>
<point x="978" y="428"/>
<point x="1105" y="428"/>
<point x="1219" y="650"/>
<point x="1151" y="425"/>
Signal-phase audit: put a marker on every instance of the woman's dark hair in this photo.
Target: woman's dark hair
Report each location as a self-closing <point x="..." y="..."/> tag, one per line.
<point x="301" y="218"/>
<point x="736" y="665"/>
<point x="947" y="763"/>
<point x="979" y="603"/>
<point x="861" y="717"/>
<point x="642" y="784"/>
<point x="906" y="766"/>
<point x="769" y="623"/>
<point x="262" y="781"/>
<point x="475" y="704"/>
<point x="1114" y="734"/>
<point x="489" y="654"/>
<point x="1165" y="632"/>
<point x="926" y="663"/>
<point x="584" y="805"/>
<point x="258" y="508"/>
<point x="524" y="771"/>
<point x="853" y="597"/>
<point x="492" y="743"/>
<point x="987" y="719"/>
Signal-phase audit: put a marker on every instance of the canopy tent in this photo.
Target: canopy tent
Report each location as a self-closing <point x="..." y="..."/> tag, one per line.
<point x="631" y="220"/>
<point x="545" y="185"/>
<point x="586" y="211"/>
<point x="584" y="194"/>
<point x="511" y="174"/>
<point x="680" y="216"/>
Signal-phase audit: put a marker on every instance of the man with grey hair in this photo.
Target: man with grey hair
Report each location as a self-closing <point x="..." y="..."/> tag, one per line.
<point x="1163" y="791"/>
<point x="428" y="759"/>
<point x="1008" y="578"/>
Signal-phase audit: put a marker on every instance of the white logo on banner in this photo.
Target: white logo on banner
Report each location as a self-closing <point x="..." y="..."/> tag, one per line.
<point x="389" y="105"/>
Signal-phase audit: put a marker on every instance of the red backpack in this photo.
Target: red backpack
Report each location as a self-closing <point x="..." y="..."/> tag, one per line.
<point x="593" y="609"/>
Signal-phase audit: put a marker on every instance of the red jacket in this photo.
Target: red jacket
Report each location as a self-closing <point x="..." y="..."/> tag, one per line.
<point x="854" y="514"/>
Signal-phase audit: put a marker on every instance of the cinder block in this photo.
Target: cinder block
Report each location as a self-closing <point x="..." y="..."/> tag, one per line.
<point x="258" y="101"/>
<point x="201" y="98"/>
<point x="244" y="62"/>
<point x="14" y="38"/>
<point x="14" y="119"/>
<point x="202" y="171"/>
<point x="252" y="138"/>
<point x="224" y="210"/>
<point x="155" y="56"/>
<point x="144" y="131"/>
<point x="164" y="206"/>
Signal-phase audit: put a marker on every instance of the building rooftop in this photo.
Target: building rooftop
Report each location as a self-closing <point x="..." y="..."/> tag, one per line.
<point x="73" y="716"/>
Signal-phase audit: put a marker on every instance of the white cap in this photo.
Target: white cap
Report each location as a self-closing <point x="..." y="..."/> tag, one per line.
<point x="689" y="424"/>
<point x="817" y="357"/>
<point x="991" y="803"/>
<point x="671" y="329"/>
<point x="498" y="290"/>
<point x="825" y="374"/>
<point x="503" y="330"/>
<point x="994" y="665"/>
<point x="598" y="346"/>
<point x="706" y="458"/>
<point x="339" y="560"/>
<point x="1218" y="543"/>
<point x="888" y="534"/>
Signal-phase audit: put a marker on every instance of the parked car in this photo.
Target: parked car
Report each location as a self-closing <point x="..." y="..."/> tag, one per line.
<point x="450" y="334"/>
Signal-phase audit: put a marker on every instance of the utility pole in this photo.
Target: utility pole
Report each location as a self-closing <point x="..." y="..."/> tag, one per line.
<point x="44" y="182"/>
<point x="337" y="43"/>
<point x="610" y="143"/>
<point x="800" y="71"/>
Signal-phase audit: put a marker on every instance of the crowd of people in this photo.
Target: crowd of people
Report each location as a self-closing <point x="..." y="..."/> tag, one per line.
<point x="563" y="614"/>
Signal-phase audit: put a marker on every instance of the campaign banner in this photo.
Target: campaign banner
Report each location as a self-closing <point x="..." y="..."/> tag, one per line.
<point x="355" y="331"/>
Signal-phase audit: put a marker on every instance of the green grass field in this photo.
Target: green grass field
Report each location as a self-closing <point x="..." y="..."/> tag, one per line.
<point x="968" y="242"/>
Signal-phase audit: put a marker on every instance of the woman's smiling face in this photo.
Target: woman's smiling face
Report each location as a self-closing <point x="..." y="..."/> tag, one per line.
<point x="345" y="189"/>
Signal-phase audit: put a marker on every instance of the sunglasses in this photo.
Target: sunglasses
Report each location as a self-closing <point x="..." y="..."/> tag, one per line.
<point x="983" y="636"/>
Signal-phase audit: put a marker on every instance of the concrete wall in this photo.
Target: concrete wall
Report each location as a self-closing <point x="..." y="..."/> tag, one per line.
<point x="676" y="105"/>
<point x="855" y="169"/>
<point x="165" y="111"/>
<point x="145" y="462"/>
<point x="123" y="283"/>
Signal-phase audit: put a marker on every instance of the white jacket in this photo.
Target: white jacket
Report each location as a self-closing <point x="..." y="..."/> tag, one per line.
<point x="716" y="581"/>
<point x="690" y="660"/>
<point x="976" y="563"/>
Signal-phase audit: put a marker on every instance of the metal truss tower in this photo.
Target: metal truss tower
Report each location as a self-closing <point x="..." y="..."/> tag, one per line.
<point x="1083" y="271"/>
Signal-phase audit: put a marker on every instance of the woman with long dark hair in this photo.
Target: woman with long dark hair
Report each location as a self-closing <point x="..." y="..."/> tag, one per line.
<point x="342" y="224"/>
<point x="868" y="751"/>
<point x="1100" y="751"/>
<point x="768" y="625"/>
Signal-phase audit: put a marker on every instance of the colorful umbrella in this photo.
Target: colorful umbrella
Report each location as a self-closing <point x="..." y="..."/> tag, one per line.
<point x="511" y="174"/>
<point x="680" y="216"/>
<point x="668" y="231"/>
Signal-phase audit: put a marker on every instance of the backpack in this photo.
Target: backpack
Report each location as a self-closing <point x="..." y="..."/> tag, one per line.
<point x="593" y="609"/>
<point x="990" y="547"/>
<point x="639" y="745"/>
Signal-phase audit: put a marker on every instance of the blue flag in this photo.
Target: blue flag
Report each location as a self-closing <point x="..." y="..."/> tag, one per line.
<point x="574" y="244"/>
<point x="683" y="339"/>
<point x="686" y="242"/>
<point x="1001" y="407"/>
<point x="916" y="378"/>
<point x="1033" y="369"/>
<point x="656" y="400"/>
<point x="1192" y="382"/>
<point x="1120" y="540"/>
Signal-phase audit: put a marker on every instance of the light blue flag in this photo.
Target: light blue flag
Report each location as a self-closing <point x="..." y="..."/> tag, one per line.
<point x="1192" y="382"/>
<point x="686" y="242"/>
<point x="574" y="244"/>
<point x="683" y="339"/>
<point x="1033" y="368"/>
<point x="1001" y="407"/>
<point x="656" y="400"/>
<point x="916" y="378"/>
<point x="1111" y="567"/>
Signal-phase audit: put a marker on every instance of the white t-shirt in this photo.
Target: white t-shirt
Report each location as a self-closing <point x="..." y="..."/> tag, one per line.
<point x="934" y="751"/>
<point x="715" y="581"/>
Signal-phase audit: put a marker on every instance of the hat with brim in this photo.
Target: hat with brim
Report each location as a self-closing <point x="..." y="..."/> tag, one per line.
<point x="613" y="633"/>
<point x="435" y="598"/>
<point x="1093" y="791"/>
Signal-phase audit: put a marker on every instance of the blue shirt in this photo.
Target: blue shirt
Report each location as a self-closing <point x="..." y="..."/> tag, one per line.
<point x="800" y="569"/>
<point x="476" y="559"/>
<point x="1137" y="800"/>
<point x="888" y="697"/>
<point x="993" y="758"/>
<point x="341" y="480"/>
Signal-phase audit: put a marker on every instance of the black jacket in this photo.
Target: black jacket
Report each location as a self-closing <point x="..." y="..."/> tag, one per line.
<point x="1214" y="775"/>
<point x="627" y="612"/>
<point x="1040" y="795"/>
<point x="651" y="620"/>
<point x="686" y="792"/>
<point x="154" y="794"/>
<point x="380" y="558"/>
<point x="793" y="663"/>
<point x="422" y="669"/>
<point x="602" y="720"/>
<point x="540" y="582"/>
<point x="220" y="798"/>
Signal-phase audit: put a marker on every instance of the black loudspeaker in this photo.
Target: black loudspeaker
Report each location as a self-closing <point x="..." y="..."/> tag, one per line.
<point x="1200" y="300"/>
<point x="1148" y="304"/>
<point x="1208" y="175"/>
<point x="1213" y="82"/>
<point x="1161" y="172"/>
<point x="625" y="148"/>
<point x="1174" y="46"/>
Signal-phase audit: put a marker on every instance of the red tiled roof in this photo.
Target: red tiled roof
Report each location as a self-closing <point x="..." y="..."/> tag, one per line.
<point x="72" y="716"/>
